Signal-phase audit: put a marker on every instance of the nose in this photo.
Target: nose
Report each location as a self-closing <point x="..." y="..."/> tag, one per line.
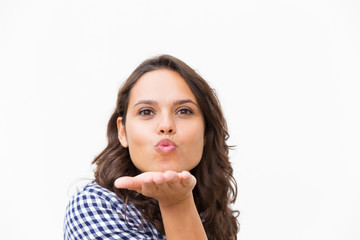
<point x="166" y="125"/>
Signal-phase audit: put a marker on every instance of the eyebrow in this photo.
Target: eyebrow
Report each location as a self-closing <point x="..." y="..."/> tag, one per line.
<point x="177" y="102"/>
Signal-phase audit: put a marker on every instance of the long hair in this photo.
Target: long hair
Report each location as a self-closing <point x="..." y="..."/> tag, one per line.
<point x="216" y="187"/>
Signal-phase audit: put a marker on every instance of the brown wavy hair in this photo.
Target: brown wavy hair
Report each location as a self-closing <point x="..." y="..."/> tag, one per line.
<point x="216" y="187"/>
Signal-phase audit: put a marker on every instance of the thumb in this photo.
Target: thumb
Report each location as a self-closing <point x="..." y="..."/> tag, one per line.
<point x="131" y="183"/>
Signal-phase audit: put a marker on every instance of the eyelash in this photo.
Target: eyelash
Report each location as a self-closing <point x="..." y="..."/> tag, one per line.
<point x="150" y="112"/>
<point x="142" y="112"/>
<point x="188" y="111"/>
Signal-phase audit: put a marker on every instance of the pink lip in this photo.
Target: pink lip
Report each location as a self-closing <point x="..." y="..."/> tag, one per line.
<point x="165" y="146"/>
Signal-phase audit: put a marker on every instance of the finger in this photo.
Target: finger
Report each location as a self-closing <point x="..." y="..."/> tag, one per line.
<point x="158" y="178"/>
<point x="187" y="179"/>
<point x="184" y="175"/>
<point x="131" y="183"/>
<point x="147" y="177"/>
<point x="171" y="177"/>
<point x="148" y="184"/>
<point x="154" y="180"/>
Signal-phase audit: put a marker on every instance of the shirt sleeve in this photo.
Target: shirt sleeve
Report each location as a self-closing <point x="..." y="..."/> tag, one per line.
<point x="92" y="216"/>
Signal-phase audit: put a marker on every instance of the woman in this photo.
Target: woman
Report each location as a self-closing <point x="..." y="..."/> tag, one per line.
<point x="165" y="173"/>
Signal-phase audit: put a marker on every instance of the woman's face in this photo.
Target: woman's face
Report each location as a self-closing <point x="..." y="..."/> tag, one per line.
<point x="164" y="127"/>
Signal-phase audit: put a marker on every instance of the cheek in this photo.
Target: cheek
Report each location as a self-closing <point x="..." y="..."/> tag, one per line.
<point x="200" y="145"/>
<point x="198" y="130"/>
<point x="139" y="141"/>
<point x="136" y="134"/>
<point x="194" y="136"/>
<point x="200" y="139"/>
<point x="195" y="149"/>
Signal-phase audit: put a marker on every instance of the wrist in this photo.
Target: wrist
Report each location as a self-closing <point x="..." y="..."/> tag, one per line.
<point x="182" y="203"/>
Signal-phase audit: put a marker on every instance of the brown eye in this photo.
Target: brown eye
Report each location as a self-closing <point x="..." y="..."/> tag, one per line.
<point x="146" y="112"/>
<point x="185" y="111"/>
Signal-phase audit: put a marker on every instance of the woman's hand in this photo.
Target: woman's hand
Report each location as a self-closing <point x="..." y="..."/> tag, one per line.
<point x="174" y="192"/>
<point x="169" y="188"/>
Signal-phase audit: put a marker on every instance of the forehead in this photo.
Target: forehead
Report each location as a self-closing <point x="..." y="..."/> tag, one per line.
<point x="161" y="85"/>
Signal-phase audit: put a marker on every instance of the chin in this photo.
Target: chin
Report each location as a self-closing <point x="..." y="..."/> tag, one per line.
<point x="168" y="168"/>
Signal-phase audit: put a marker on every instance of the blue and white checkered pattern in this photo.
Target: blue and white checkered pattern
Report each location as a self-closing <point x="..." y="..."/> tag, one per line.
<point x="97" y="213"/>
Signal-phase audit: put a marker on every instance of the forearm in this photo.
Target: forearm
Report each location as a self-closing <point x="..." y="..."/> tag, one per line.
<point x="182" y="221"/>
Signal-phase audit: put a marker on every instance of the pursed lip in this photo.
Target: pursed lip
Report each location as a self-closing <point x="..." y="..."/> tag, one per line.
<point x="165" y="146"/>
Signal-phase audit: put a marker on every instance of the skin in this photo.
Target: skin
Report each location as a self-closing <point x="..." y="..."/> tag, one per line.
<point x="161" y="105"/>
<point x="174" y="193"/>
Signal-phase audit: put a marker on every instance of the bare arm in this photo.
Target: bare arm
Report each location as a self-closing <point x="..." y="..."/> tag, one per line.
<point x="174" y="193"/>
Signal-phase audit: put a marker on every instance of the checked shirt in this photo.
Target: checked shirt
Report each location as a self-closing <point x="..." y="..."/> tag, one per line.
<point x="97" y="213"/>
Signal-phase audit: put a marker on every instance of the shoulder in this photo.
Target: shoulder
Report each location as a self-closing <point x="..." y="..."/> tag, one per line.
<point x="96" y="196"/>
<point x="95" y="212"/>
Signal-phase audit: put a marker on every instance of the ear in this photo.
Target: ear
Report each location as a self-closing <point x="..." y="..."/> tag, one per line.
<point x="121" y="132"/>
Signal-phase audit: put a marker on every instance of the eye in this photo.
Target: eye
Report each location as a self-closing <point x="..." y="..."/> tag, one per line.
<point x="146" y="112"/>
<point x="185" y="111"/>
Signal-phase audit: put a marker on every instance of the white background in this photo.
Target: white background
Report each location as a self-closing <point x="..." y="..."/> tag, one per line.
<point x="287" y="74"/>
